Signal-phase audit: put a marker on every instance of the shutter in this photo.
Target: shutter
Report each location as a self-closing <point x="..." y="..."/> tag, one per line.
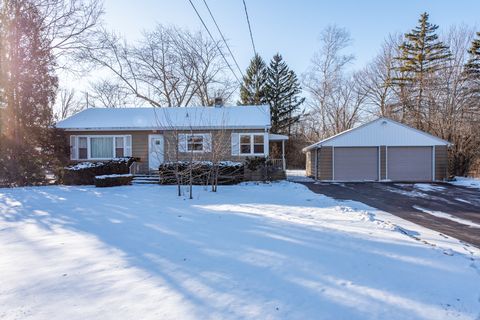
<point x="182" y="143"/>
<point x="127" y="152"/>
<point x="266" y="149"/>
<point x="235" y="144"/>
<point x="73" y="148"/>
<point x="207" y="142"/>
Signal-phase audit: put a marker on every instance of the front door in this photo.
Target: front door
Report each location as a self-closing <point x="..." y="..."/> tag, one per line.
<point x="155" y="151"/>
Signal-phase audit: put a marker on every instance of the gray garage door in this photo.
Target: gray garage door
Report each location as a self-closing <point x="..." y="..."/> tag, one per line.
<point x="409" y="163"/>
<point x="356" y="164"/>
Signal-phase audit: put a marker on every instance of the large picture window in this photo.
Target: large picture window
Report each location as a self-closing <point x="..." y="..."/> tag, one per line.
<point x="252" y="144"/>
<point x="101" y="147"/>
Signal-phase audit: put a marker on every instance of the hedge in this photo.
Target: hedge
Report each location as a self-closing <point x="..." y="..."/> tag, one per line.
<point x="113" y="180"/>
<point x="202" y="172"/>
<point x="84" y="173"/>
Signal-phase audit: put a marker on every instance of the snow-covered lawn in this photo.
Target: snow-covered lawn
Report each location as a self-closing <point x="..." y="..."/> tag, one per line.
<point x="466" y="182"/>
<point x="268" y="251"/>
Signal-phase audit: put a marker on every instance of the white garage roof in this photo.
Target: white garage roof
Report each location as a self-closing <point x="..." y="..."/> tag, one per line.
<point x="248" y="117"/>
<point x="380" y="132"/>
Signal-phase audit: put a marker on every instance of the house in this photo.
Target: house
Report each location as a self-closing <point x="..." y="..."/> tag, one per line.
<point x="157" y="135"/>
<point x="380" y="150"/>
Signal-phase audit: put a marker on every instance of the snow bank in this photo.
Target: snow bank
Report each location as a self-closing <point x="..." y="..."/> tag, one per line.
<point x="466" y="182"/>
<point x="106" y="176"/>
<point x="449" y="216"/>
<point x="251" y="251"/>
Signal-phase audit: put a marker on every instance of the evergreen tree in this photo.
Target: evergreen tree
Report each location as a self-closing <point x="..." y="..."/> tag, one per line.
<point x="472" y="67"/>
<point x="252" y="91"/>
<point x="422" y="55"/>
<point x="282" y="94"/>
<point x="27" y="91"/>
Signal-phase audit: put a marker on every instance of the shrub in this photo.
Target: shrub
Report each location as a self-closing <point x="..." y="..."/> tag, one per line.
<point x="255" y="163"/>
<point x="85" y="172"/>
<point x="113" y="180"/>
<point x="203" y="172"/>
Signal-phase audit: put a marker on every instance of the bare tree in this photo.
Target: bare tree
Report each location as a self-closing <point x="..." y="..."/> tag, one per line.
<point x="68" y="25"/>
<point x="68" y="104"/>
<point x="375" y="80"/>
<point x="110" y="94"/>
<point x="170" y="67"/>
<point x="331" y="105"/>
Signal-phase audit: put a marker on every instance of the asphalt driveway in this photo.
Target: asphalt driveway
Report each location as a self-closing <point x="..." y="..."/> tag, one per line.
<point x="413" y="202"/>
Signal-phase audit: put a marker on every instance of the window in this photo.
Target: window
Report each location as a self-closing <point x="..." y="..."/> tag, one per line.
<point x="252" y="144"/>
<point x="101" y="147"/>
<point x="258" y="143"/>
<point x="119" y="147"/>
<point x="82" y="148"/>
<point x="195" y="143"/>
<point x="245" y="144"/>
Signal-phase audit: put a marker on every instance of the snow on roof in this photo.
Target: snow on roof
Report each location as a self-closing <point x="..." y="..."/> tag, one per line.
<point x="248" y="117"/>
<point x="380" y="132"/>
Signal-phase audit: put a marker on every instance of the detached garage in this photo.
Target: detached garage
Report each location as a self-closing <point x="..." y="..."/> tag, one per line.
<point x="381" y="150"/>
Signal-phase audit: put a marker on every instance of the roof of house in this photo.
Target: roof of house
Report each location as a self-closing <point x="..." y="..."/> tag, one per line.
<point x="380" y="132"/>
<point x="178" y="118"/>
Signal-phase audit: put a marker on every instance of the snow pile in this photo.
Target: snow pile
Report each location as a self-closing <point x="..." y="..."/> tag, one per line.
<point x="449" y="216"/>
<point x="250" y="251"/>
<point x="89" y="164"/>
<point x="428" y="187"/>
<point x="84" y="165"/>
<point x="204" y="163"/>
<point x="107" y="176"/>
<point x="298" y="176"/>
<point x="466" y="182"/>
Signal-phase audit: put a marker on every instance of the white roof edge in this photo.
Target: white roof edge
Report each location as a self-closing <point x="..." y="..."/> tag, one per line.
<point x="317" y="144"/>
<point x="277" y="137"/>
<point x="163" y="129"/>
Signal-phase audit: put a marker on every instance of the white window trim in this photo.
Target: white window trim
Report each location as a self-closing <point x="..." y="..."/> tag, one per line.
<point x="252" y="144"/>
<point x="89" y="156"/>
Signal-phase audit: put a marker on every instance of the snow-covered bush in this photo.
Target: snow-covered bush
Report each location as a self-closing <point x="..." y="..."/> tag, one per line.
<point x="113" y="180"/>
<point x="84" y="173"/>
<point x="229" y="172"/>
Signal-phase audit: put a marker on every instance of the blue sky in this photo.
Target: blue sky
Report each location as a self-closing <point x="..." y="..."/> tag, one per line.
<point x="292" y="27"/>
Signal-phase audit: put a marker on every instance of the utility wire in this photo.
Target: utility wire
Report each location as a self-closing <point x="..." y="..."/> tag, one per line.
<point x="249" y="27"/>
<point x="210" y="34"/>
<point x="224" y="40"/>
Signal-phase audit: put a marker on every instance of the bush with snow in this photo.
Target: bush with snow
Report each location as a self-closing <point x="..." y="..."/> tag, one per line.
<point x="84" y="173"/>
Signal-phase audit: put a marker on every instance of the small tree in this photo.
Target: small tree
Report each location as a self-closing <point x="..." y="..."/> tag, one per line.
<point x="282" y="93"/>
<point x="252" y="91"/>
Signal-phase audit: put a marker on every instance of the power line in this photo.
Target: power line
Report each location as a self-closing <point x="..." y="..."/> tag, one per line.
<point x="249" y="27"/>
<point x="224" y="40"/>
<point x="213" y="39"/>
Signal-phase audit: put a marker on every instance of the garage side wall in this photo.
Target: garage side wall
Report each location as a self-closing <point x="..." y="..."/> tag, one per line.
<point x="325" y="163"/>
<point x="441" y="162"/>
<point x="310" y="163"/>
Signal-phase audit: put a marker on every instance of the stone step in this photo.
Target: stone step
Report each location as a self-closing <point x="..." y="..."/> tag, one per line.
<point x="145" y="177"/>
<point x="142" y="181"/>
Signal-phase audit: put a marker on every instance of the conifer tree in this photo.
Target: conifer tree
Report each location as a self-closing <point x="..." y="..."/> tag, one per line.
<point x="28" y="85"/>
<point x="252" y="91"/>
<point x="282" y="93"/>
<point x="422" y="55"/>
<point x="472" y="67"/>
